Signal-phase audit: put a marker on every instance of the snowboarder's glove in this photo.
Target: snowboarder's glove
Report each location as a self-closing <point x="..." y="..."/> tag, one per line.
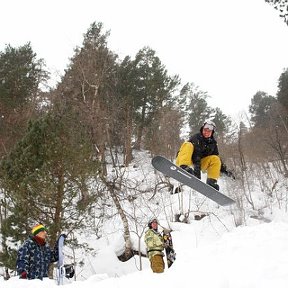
<point x="196" y="172"/>
<point x="227" y="172"/>
<point x="23" y="275"/>
<point x="230" y="174"/>
<point x="188" y="169"/>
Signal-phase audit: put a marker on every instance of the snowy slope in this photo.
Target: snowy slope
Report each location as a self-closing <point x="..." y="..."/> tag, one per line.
<point x="210" y="253"/>
<point x="247" y="257"/>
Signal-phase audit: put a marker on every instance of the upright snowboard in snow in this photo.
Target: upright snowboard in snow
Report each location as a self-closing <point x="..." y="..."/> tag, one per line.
<point x="169" y="169"/>
<point x="60" y="263"/>
<point x="169" y="250"/>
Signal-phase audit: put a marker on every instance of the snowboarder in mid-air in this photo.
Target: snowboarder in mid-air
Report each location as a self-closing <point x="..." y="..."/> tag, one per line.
<point x="201" y="153"/>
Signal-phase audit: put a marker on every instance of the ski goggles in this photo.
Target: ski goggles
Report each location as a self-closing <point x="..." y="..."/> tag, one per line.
<point x="208" y="126"/>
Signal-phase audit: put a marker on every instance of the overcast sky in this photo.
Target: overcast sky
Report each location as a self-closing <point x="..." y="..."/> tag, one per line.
<point x="229" y="48"/>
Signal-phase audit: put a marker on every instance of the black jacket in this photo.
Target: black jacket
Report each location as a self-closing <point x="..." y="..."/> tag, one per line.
<point x="203" y="147"/>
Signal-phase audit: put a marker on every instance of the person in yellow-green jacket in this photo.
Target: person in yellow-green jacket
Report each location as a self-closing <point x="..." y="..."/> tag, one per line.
<point x="155" y="245"/>
<point x="201" y="152"/>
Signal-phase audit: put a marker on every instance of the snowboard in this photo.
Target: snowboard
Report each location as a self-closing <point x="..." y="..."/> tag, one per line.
<point x="66" y="270"/>
<point x="60" y="264"/>
<point x="171" y="170"/>
<point x="169" y="250"/>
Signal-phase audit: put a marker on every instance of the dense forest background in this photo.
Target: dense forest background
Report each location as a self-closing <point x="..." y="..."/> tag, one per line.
<point x="56" y="142"/>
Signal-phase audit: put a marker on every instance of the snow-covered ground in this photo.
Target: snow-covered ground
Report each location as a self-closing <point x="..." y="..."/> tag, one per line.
<point x="211" y="252"/>
<point x="247" y="257"/>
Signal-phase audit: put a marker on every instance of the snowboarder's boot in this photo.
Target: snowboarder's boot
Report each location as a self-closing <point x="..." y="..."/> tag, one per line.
<point x="213" y="183"/>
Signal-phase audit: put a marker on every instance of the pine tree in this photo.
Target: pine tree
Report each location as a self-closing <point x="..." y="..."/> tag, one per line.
<point x="154" y="90"/>
<point x="46" y="178"/>
<point x="20" y="76"/>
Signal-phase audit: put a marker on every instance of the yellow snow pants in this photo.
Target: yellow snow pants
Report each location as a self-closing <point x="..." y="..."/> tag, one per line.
<point x="157" y="263"/>
<point x="210" y="164"/>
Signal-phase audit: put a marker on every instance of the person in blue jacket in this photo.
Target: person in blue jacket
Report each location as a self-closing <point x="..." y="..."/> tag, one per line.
<point x="35" y="256"/>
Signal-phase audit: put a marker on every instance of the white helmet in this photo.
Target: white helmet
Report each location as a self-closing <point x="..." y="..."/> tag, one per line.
<point x="209" y="124"/>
